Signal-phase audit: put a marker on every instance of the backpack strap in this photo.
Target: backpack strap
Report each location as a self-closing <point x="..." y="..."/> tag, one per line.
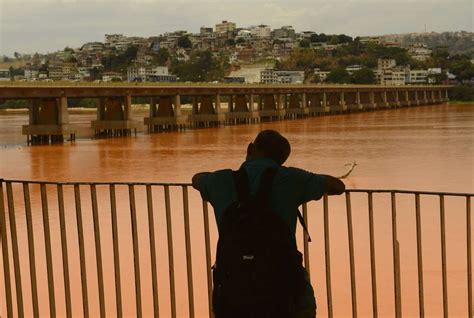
<point x="303" y="224"/>
<point x="241" y="184"/>
<point x="263" y="194"/>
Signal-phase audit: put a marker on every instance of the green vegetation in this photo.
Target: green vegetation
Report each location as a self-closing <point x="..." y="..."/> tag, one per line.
<point x="201" y="67"/>
<point x="363" y="76"/>
<point x="14" y="104"/>
<point x="184" y="42"/>
<point x="462" y="93"/>
<point x="121" y="61"/>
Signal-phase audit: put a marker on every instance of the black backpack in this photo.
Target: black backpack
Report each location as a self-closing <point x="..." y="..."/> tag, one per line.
<point x="258" y="270"/>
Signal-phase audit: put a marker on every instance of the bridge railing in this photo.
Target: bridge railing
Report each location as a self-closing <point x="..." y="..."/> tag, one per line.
<point x="117" y="249"/>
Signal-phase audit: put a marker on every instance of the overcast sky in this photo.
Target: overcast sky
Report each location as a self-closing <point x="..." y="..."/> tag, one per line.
<point x="29" y="26"/>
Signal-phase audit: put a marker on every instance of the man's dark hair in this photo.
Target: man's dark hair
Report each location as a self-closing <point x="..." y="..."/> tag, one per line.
<point x="273" y="145"/>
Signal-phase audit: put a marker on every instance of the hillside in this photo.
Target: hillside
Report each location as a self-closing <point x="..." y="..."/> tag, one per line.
<point x="457" y="42"/>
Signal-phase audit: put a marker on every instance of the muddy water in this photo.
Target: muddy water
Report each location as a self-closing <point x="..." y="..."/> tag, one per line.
<point x="426" y="148"/>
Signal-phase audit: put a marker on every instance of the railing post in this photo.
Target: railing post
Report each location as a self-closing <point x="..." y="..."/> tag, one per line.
<point x="208" y="257"/>
<point x="469" y="255"/>
<point x="351" y="254"/>
<point x="5" y="258"/>
<point x="396" y="259"/>
<point x="327" y="253"/>
<point x="372" y="256"/>
<point x="419" y="256"/>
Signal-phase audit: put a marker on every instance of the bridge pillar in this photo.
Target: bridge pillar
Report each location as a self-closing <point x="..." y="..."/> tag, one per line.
<point x="385" y="99"/>
<point x="242" y="112"/>
<point x="407" y="98"/>
<point x="48" y="121"/>
<point x="209" y="113"/>
<point x="372" y="99"/>
<point x="166" y="117"/>
<point x="128" y="108"/>
<point x="358" y="103"/>
<point x="446" y="95"/>
<point x="295" y="108"/>
<point x="218" y="104"/>
<point x="397" y="99"/>
<point x="63" y="116"/>
<point x="116" y="119"/>
<point x="343" y="102"/>
<point x="304" y="104"/>
<point x="252" y="102"/>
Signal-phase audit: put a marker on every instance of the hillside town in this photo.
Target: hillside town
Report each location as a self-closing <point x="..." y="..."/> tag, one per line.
<point x="256" y="54"/>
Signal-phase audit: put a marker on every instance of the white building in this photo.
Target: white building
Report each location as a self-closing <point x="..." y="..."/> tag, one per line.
<point x="136" y="74"/>
<point x="320" y="76"/>
<point x="151" y="74"/>
<point x="353" y="68"/>
<point x="118" y="41"/>
<point x="225" y="26"/>
<point x="394" y="76"/>
<point x="419" y="51"/>
<point x="111" y="76"/>
<point x="4" y="75"/>
<point x="418" y="77"/>
<point x="270" y="76"/>
<point x="261" y="31"/>
<point x="31" y="74"/>
<point x="386" y="64"/>
<point x="370" y="39"/>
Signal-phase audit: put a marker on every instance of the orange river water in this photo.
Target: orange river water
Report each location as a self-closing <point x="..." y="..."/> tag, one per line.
<point x="424" y="148"/>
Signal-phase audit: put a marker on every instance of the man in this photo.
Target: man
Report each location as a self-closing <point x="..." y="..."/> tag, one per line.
<point x="287" y="189"/>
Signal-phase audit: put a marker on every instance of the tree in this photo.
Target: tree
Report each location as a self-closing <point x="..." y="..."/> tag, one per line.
<point x="184" y="42"/>
<point x="230" y="42"/>
<point x="17" y="55"/>
<point x="162" y="57"/>
<point x="344" y="38"/>
<point x="363" y="76"/>
<point x="201" y="67"/>
<point x="304" y="43"/>
<point x="462" y="68"/>
<point x="338" y="75"/>
<point x="319" y="38"/>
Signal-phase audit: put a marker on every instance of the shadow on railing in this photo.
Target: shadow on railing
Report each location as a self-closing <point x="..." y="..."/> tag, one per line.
<point x="93" y="234"/>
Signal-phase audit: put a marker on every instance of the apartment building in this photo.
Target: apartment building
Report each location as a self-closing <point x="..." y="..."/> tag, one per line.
<point x="261" y="31"/>
<point x="55" y="72"/>
<point x="420" y="51"/>
<point x="418" y="76"/>
<point x="4" y="75"/>
<point x="225" y="26"/>
<point x="270" y="76"/>
<point x="151" y="74"/>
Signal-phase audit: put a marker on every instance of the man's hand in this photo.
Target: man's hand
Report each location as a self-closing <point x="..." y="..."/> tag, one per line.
<point x="334" y="186"/>
<point x="196" y="179"/>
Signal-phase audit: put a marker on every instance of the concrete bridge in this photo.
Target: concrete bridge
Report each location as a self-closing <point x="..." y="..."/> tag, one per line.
<point x="49" y="117"/>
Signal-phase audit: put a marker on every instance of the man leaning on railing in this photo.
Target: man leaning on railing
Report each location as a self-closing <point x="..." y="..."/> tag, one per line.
<point x="258" y="270"/>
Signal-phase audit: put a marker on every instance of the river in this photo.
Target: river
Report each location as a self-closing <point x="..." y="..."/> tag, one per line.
<point x="427" y="148"/>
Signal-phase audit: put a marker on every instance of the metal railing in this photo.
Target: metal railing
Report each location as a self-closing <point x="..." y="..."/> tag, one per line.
<point x="29" y="218"/>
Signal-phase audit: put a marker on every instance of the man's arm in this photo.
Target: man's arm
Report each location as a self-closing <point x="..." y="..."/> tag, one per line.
<point x="197" y="180"/>
<point x="334" y="186"/>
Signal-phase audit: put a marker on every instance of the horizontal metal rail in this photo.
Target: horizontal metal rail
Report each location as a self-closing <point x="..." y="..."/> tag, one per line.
<point x="153" y="224"/>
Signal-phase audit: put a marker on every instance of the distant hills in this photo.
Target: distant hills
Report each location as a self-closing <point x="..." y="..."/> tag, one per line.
<point x="461" y="42"/>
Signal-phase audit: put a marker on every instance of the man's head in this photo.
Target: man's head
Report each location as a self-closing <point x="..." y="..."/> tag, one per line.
<point x="269" y="144"/>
